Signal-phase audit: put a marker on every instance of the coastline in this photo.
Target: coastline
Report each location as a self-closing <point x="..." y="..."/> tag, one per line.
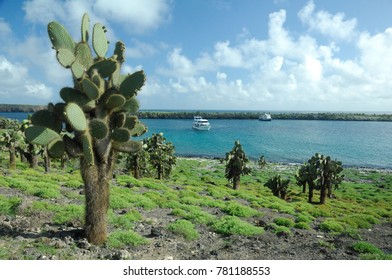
<point x="288" y="165"/>
<point x="217" y="114"/>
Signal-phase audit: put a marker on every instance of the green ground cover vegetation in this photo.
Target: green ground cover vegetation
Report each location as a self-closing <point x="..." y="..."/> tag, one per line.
<point x="197" y="196"/>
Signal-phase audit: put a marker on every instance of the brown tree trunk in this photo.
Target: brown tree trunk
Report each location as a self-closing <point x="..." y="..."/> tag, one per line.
<point x="136" y="168"/>
<point x="236" y="182"/>
<point x="46" y="160"/>
<point x="304" y="187"/>
<point x="96" y="180"/>
<point x="12" y="157"/>
<point x="323" y="194"/>
<point x="160" y="172"/>
<point x="311" y="188"/>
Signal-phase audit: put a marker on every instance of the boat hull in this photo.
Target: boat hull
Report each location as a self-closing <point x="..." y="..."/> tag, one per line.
<point x="205" y="128"/>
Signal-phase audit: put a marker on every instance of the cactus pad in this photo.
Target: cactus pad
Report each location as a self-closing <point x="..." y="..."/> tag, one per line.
<point x="65" y="57"/>
<point x="76" y="96"/>
<point x="41" y="135"/>
<point x="75" y="117"/>
<point x="120" y="135"/>
<point x="119" y="119"/>
<point x="132" y="84"/>
<point x="131" y="121"/>
<point x="98" y="129"/>
<point x="83" y="55"/>
<point x="60" y="37"/>
<point x="85" y="27"/>
<point x="128" y="147"/>
<point x="100" y="42"/>
<point x="90" y="89"/>
<point x="47" y="119"/>
<point x="138" y="130"/>
<point x="56" y="148"/>
<point x="104" y="67"/>
<point x="131" y="106"/>
<point x="115" y="101"/>
<point x="77" y="69"/>
<point x="88" y="152"/>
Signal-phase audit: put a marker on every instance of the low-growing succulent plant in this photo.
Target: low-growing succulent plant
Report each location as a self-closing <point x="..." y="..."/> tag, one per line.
<point x="98" y="115"/>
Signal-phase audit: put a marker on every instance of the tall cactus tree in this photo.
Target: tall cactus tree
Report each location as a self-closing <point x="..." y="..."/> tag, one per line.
<point x="236" y="161"/>
<point x="98" y="114"/>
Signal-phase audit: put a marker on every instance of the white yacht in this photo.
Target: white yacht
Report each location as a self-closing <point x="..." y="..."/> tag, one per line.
<point x="200" y="124"/>
<point x="265" y="117"/>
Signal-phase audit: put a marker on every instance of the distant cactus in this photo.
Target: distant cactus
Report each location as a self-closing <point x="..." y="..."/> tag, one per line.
<point x="137" y="163"/>
<point x="98" y="114"/>
<point x="161" y="154"/>
<point x="236" y="165"/>
<point x="262" y="162"/>
<point x="320" y="173"/>
<point x="11" y="140"/>
<point x="278" y="186"/>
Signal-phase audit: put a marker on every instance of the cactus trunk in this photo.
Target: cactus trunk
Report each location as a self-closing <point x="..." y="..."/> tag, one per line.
<point x="12" y="157"/>
<point x="96" y="183"/>
<point x="236" y="182"/>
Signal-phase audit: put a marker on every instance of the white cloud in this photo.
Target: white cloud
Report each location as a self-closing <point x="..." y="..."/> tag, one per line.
<point x="5" y="28"/>
<point x="284" y="71"/>
<point x="334" y="26"/>
<point x="18" y="87"/>
<point x="139" y="16"/>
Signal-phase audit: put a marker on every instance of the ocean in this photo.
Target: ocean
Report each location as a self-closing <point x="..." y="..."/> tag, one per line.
<point x="355" y="143"/>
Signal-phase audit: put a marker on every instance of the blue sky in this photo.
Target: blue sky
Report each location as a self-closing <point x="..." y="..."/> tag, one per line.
<point x="317" y="55"/>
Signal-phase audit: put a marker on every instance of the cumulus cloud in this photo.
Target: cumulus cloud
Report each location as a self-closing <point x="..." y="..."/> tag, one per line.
<point x="16" y="85"/>
<point x="335" y="26"/>
<point x="287" y="71"/>
<point x="135" y="16"/>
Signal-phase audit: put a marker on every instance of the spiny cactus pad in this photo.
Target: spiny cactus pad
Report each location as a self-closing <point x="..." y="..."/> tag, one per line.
<point x="75" y="117"/>
<point x="60" y="37"/>
<point x="85" y="27"/>
<point x="100" y="42"/>
<point x="120" y="135"/>
<point x="90" y="89"/>
<point x="83" y="55"/>
<point x="88" y="152"/>
<point x="128" y="147"/>
<point x="115" y="101"/>
<point x="104" y="67"/>
<point x="132" y="84"/>
<point x="56" y="148"/>
<point x="47" y="119"/>
<point x="65" y="57"/>
<point x="41" y="135"/>
<point x="98" y="129"/>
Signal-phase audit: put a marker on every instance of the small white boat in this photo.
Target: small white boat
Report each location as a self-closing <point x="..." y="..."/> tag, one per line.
<point x="200" y="124"/>
<point x="265" y="117"/>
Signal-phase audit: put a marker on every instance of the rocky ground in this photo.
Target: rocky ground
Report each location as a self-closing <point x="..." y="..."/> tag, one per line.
<point x="21" y="235"/>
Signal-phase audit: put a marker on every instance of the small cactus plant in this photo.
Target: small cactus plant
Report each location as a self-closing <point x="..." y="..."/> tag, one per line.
<point x="98" y="115"/>
<point x="236" y="165"/>
<point x="161" y="154"/>
<point x="278" y="186"/>
<point x="12" y="139"/>
<point x="320" y="173"/>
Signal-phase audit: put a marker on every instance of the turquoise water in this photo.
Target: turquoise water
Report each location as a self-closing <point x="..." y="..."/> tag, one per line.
<point x="365" y="144"/>
<point x="355" y="143"/>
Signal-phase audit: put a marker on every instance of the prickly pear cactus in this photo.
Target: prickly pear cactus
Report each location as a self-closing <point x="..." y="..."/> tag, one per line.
<point x="96" y="119"/>
<point x="93" y="109"/>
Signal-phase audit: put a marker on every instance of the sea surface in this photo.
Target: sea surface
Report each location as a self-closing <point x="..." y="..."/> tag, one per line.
<point x="355" y="143"/>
